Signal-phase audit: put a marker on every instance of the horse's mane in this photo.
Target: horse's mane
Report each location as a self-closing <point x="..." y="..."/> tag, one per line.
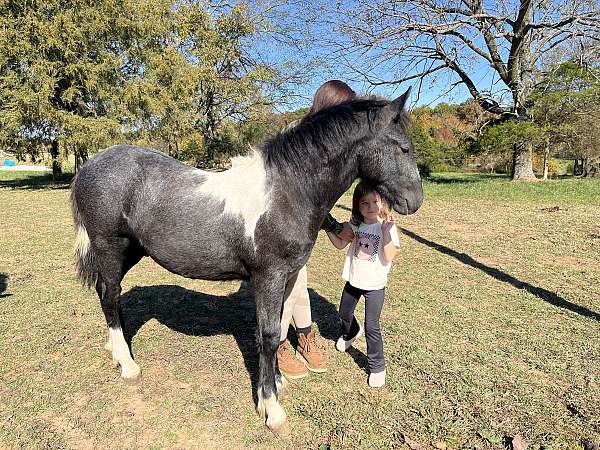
<point x="318" y="134"/>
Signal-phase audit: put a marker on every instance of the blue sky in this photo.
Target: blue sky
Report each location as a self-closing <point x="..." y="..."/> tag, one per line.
<point x="431" y="92"/>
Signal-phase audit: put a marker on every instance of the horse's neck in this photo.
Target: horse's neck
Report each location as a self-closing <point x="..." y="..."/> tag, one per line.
<point x="316" y="193"/>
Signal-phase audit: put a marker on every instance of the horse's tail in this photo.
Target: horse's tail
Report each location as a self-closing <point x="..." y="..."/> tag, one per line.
<point x="85" y="258"/>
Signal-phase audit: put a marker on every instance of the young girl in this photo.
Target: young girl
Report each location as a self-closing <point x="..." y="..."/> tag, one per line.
<point x="367" y="264"/>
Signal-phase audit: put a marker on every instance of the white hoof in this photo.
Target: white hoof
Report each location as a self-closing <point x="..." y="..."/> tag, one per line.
<point x="276" y="419"/>
<point x="131" y="373"/>
<point x="282" y="429"/>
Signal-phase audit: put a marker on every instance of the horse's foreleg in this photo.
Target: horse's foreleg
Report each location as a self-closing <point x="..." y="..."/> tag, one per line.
<point x="269" y="297"/>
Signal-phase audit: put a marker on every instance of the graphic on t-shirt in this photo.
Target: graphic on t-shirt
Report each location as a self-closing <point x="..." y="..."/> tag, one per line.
<point x="366" y="246"/>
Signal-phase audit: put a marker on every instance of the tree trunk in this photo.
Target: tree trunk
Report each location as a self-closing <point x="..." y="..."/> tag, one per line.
<point x="580" y="167"/>
<point x="546" y="159"/>
<point x="523" y="163"/>
<point x="56" y="167"/>
<point x="80" y="158"/>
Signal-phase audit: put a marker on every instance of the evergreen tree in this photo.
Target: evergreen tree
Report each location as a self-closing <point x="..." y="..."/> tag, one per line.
<point x="77" y="76"/>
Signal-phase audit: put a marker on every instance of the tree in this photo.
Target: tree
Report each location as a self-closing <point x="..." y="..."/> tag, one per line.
<point x="567" y="106"/>
<point x="59" y="75"/>
<point x="421" y="39"/>
<point x="439" y="134"/>
<point x="501" y="138"/>
<point x="76" y="76"/>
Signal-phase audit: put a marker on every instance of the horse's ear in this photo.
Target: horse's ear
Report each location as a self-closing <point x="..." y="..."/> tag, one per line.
<point x="394" y="110"/>
<point x="399" y="103"/>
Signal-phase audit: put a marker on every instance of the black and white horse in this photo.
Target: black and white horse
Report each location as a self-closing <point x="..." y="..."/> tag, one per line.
<point x="258" y="220"/>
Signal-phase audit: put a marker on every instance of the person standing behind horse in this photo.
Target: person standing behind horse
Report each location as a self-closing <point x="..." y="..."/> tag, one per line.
<point x="296" y="308"/>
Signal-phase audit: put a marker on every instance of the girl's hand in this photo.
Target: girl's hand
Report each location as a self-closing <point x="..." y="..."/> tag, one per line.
<point x="346" y="234"/>
<point x="387" y="225"/>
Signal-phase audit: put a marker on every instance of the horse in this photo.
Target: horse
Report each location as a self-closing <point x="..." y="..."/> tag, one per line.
<point x="256" y="221"/>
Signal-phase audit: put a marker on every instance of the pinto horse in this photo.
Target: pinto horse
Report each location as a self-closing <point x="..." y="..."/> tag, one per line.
<point x="258" y="220"/>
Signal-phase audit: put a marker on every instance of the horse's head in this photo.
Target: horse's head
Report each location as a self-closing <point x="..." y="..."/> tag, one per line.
<point x="388" y="160"/>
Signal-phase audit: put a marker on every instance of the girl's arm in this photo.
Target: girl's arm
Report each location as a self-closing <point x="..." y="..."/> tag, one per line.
<point x="389" y="247"/>
<point x="337" y="241"/>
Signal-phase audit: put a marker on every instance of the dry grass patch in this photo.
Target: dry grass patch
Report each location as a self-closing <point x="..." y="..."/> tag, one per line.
<point x="491" y="329"/>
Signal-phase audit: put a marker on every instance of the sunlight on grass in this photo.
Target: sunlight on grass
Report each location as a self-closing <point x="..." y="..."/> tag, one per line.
<point x="491" y="328"/>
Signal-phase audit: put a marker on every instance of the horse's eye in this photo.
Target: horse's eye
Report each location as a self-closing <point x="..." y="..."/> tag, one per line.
<point x="398" y="143"/>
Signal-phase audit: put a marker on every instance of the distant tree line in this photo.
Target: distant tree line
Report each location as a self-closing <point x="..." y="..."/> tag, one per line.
<point x="564" y="124"/>
<point x="181" y="76"/>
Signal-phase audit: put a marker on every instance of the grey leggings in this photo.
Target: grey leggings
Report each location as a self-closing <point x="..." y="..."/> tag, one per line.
<point x="373" y="306"/>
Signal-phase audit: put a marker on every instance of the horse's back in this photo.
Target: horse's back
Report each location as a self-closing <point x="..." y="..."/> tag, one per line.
<point x="118" y="164"/>
<point x="155" y="200"/>
<point x="108" y="188"/>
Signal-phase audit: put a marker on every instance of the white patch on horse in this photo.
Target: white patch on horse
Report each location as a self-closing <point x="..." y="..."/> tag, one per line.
<point x="242" y="188"/>
<point x="82" y="242"/>
<point x="130" y="371"/>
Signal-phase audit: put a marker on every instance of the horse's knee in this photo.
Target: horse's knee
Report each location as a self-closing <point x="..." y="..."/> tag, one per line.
<point x="269" y="341"/>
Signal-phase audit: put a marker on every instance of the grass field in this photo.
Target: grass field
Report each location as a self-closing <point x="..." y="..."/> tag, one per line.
<point x="491" y="329"/>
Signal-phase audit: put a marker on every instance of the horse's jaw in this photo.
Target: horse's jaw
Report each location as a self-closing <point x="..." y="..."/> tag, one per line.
<point x="406" y="200"/>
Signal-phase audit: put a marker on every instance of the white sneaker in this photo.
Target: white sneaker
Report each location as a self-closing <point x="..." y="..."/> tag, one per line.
<point x="377" y="380"/>
<point x="343" y="345"/>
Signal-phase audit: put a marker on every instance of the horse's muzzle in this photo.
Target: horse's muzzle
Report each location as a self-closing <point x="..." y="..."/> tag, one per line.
<point x="411" y="200"/>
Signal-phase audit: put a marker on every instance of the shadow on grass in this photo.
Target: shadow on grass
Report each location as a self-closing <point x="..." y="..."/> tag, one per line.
<point x="3" y="285"/>
<point x="456" y="178"/>
<point x="344" y="207"/>
<point x="539" y="292"/>
<point x="33" y="180"/>
<point x="198" y="314"/>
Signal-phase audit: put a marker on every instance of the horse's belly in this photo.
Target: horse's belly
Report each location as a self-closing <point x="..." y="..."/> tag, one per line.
<point x="203" y="269"/>
<point x="210" y="259"/>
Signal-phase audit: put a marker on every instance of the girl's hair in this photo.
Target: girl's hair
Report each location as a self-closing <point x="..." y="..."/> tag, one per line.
<point x="362" y="189"/>
<point x="329" y="94"/>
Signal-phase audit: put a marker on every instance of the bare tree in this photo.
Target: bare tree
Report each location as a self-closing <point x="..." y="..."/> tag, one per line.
<point x="390" y="42"/>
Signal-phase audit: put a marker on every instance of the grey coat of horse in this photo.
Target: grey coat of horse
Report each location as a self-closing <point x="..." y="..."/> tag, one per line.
<point x="258" y="220"/>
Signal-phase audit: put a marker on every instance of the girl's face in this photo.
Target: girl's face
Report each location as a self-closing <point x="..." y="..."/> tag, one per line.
<point x="370" y="206"/>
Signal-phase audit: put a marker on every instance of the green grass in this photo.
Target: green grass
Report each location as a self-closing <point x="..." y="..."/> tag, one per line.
<point x="498" y="188"/>
<point x="491" y="328"/>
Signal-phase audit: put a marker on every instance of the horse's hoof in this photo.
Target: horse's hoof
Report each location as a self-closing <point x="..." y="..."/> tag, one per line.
<point x="282" y="429"/>
<point x="133" y="381"/>
<point x="132" y="375"/>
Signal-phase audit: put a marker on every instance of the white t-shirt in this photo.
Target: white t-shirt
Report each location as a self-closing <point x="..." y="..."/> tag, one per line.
<point x="365" y="267"/>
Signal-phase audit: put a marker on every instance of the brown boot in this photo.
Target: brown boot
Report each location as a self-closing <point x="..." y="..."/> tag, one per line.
<point x="308" y="350"/>
<point x="289" y="365"/>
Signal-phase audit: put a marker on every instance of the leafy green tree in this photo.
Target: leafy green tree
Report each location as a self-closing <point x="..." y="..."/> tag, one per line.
<point x="199" y="76"/>
<point x="567" y="107"/>
<point x="77" y="76"/>
<point x="59" y="75"/>
<point x="501" y="138"/>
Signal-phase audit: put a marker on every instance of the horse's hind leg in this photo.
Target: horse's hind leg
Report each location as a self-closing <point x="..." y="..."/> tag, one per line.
<point x="269" y="297"/>
<point x="113" y="262"/>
